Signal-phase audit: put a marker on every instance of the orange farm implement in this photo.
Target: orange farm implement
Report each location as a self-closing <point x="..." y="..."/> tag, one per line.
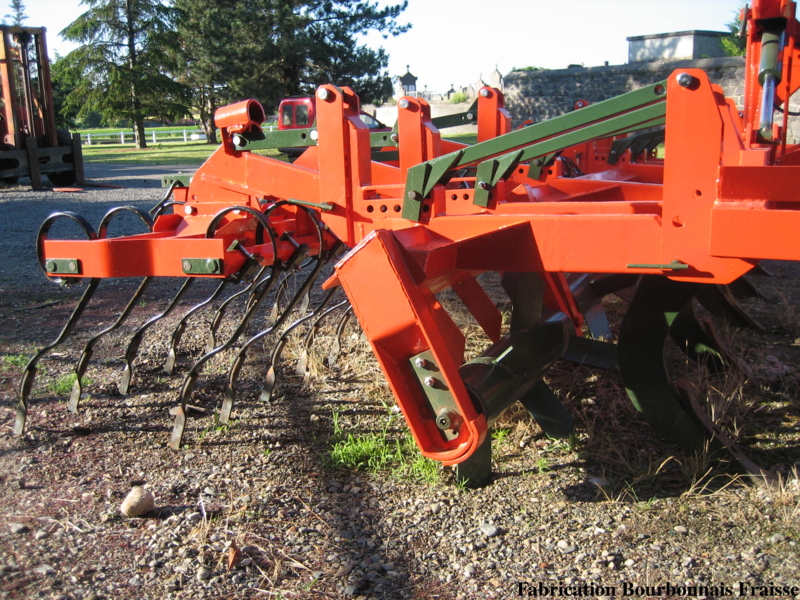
<point x="567" y="210"/>
<point x="31" y="144"/>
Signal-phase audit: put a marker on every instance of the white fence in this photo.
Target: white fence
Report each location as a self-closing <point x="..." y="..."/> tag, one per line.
<point x="124" y="137"/>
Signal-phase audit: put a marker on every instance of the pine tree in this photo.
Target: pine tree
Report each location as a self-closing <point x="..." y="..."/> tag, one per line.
<point x="123" y="61"/>
<point x="17" y="15"/>
<point x="271" y="49"/>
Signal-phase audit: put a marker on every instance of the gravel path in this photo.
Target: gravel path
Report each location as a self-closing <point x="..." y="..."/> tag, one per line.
<point x="257" y="510"/>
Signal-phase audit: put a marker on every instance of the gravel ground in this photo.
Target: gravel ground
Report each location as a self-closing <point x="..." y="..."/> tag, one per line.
<point x="258" y="509"/>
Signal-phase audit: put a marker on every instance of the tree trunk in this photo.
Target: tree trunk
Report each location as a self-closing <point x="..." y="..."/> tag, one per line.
<point x="136" y="105"/>
<point x="207" y="108"/>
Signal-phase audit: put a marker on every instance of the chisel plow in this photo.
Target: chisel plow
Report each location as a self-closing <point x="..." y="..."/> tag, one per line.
<point x="568" y="211"/>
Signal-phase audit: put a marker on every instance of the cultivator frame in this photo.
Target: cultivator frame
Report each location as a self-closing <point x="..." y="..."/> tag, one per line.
<point x="568" y="210"/>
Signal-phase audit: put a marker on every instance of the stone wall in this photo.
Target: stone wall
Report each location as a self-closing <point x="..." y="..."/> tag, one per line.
<point x="541" y="95"/>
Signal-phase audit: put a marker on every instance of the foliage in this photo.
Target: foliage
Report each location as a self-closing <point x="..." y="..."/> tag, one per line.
<point x="17" y="15"/>
<point x="734" y="44"/>
<point x="378" y="452"/>
<point x="458" y="97"/>
<point x="120" y="70"/>
<point x="280" y="49"/>
<point x="63" y="385"/>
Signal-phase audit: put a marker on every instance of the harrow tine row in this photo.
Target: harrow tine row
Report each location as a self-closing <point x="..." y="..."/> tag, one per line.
<point x="302" y="363"/>
<point x="136" y="340"/>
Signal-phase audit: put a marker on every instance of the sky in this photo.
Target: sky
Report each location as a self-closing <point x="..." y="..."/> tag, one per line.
<point x="456" y="42"/>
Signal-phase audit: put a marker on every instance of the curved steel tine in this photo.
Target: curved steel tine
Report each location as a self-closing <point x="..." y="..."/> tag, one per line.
<point x="276" y="306"/>
<point x="253" y="288"/>
<point x="88" y="349"/>
<point x="271" y="377"/>
<point x="28" y="376"/>
<point x="336" y="350"/>
<point x="136" y="340"/>
<point x="719" y="300"/>
<point x="241" y="356"/>
<point x="177" y="333"/>
<point x="190" y="380"/>
<point x="302" y="363"/>
<point x="156" y="210"/>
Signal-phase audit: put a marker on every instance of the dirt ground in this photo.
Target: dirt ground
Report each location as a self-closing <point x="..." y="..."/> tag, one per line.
<point x="258" y="508"/>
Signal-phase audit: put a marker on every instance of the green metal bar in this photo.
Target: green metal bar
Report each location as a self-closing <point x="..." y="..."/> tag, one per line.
<point x="465" y="118"/>
<point x="324" y="206"/>
<point x="298" y="138"/>
<point x="572" y="122"/>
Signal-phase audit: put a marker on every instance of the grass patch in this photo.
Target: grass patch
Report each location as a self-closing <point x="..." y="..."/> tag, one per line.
<point x="177" y="153"/>
<point x="381" y="452"/>
<point x="63" y="385"/>
<point x="14" y="360"/>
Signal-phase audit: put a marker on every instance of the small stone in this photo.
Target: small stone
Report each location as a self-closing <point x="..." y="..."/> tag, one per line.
<point x="688" y="561"/>
<point x="135" y="581"/>
<point x="203" y="574"/>
<point x="469" y="571"/>
<point x="18" y="528"/>
<point x="41" y="534"/>
<point x="44" y="570"/>
<point x="194" y="517"/>
<point x="138" y="502"/>
<point x="436" y="508"/>
<point x="565" y="547"/>
<point x="489" y="530"/>
<point x="680" y="529"/>
<point x="777" y="538"/>
<point x="350" y="590"/>
<point x="630" y="562"/>
<point x="388" y="566"/>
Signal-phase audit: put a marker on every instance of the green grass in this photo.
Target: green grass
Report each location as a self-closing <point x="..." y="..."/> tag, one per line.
<point x="63" y="385"/>
<point x="15" y="360"/>
<point x="177" y="153"/>
<point x="381" y="452"/>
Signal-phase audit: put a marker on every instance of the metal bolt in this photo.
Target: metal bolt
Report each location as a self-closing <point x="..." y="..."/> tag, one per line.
<point x="448" y="419"/>
<point x="412" y="195"/>
<point x="187" y="266"/>
<point x="73" y="266"/>
<point x="322" y="94"/>
<point x="403" y="103"/>
<point x="421" y="363"/>
<point x="51" y="266"/>
<point x="239" y="141"/>
<point x="314" y="135"/>
<point x="684" y="79"/>
<point x="430" y="382"/>
<point x="188" y="210"/>
<point x="443" y="421"/>
<point x="211" y="265"/>
<point x="394" y="137"/>
<point x="470" y="116"/>
<point x="485" y="93"/>
<point x="483" y="185"/>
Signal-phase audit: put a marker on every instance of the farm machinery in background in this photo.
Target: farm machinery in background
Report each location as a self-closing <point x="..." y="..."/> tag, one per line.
<point x="31" y="144"/>
<point x="568" y="210"/>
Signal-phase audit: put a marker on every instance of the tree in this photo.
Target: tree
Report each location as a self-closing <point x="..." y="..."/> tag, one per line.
<point x="121" y="68"/>
<point x="735" y="44"/>
<point x="281" y="48"/>
<point x="17" y="15"/>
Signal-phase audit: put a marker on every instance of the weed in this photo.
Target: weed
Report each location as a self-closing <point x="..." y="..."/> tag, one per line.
<point x="15" y="360"/>
<point x="542" y="465"/>
<point x="500" y="434"/>
<point x="63" y="385"/>
<point x="380" y="451"/>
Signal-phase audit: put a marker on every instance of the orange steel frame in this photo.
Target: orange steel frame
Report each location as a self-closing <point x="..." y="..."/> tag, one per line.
<point x="718" y="202"/>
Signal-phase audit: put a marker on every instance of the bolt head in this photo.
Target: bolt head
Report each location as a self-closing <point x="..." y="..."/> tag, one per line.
<point x="412" y="195"/>
<point x="323" y="94"/>
<point x="188" y="210"/>
<point x="403" y="103"/>
<point x="420" y="362"/>
<point x="470" y="116"/>
<point x="684" y="79"/>
<point x="430" y="381"/>
<point x="73" y="266"/>
<point x="187" y="266"/>
<point x="211" y="265"/>
<point x="50" y="265"/>
<point x="395" y="138"/>
<point x="483" y="185"/>
<point x="485" y="93"/>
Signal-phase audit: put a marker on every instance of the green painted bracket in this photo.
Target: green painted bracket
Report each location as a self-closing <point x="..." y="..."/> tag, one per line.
<point x="536" y="167"/>
<point x="635" y="110"/>
<point x="183" y="180"/>
<point x="421" y="180"/>
<point x="489" y="173"/>
<point x="465" y="118"/>
<point x="675" y="265"/>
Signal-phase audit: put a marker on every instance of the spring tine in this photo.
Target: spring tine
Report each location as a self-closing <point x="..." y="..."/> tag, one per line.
<point x="305" y="301"/>
<point x="241" y="356"/>
<point x="302" y="363"/>
<point x="719" y="300"/>
<point x="336" y="350"/>
<point x="253" y="288"/>
<point x="177" y="334"/>
<point x="88" y="350"/>
<point x="275" y="310"/>
<point x="270" y="379"/>
<point x="136" y="340"/>
<point x="190" y="380"/>
<point x="29" y="374"/>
